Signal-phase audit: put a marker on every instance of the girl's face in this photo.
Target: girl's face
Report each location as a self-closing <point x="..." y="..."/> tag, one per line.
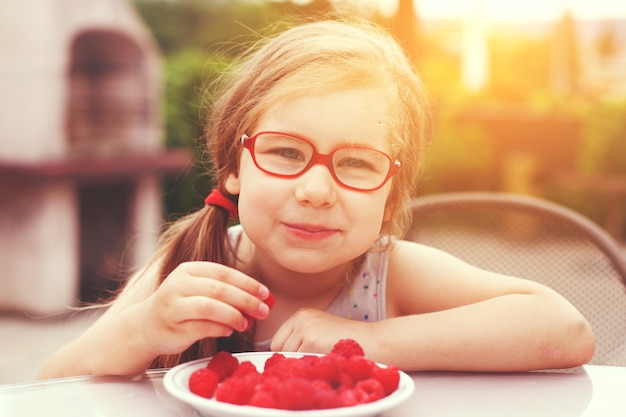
<point x="311" y="223"/>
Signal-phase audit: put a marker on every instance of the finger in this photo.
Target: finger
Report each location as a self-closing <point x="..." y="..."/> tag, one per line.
<point x="292" y="344"/>
<point x="284" y="340"/>
<point x="205" y="309"/>
<point x="222" y="283"/>
<point x="228" y="275"/>
<point x="278" y="341"/>
<point x="241" y="300"/>
<point x="200" y="329"/>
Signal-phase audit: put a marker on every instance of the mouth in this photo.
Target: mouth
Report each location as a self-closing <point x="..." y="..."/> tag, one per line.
<point x="310" y="231"/>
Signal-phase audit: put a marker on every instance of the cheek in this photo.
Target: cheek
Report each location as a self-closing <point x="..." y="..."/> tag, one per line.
<point x="256" y="192"/>
<point x="381" y="201"/>
<point x="384" y="210"/>
<point x="370" y="211"/>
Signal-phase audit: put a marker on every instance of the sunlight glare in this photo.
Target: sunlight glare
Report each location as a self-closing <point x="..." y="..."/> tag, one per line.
<point x="512" y="10"/>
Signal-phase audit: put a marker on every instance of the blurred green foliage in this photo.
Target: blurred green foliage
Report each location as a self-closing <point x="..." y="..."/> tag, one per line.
<point x="186" y="76"/>
<point x="460" y="158"/>
<point x="603" y="152"/>
<point x="605" y="134"/>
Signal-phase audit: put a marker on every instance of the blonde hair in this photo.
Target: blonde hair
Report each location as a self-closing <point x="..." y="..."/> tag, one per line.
<point x="314" y="57"/>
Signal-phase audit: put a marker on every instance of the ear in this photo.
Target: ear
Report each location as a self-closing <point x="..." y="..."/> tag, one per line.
<point x="390" y="208"/>
<point x="232" y="184"/>
<point x="387" y="213"/>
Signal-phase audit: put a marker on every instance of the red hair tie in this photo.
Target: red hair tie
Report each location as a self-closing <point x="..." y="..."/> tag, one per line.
<point x="217" y="199"/>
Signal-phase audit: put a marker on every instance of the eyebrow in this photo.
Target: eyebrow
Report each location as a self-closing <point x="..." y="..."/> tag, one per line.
<point x="342" y="143"/>
<point x="350" y="143"/>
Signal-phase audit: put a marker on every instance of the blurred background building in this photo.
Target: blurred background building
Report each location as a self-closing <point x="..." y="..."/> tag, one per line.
<point x="81" y="150"/>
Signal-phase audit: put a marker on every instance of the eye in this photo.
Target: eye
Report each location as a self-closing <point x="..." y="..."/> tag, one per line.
<point x="360" y="160"/>
<point x="291" y="154"/>
<point x="282" y="149"/>
<point x="356" y="163"/>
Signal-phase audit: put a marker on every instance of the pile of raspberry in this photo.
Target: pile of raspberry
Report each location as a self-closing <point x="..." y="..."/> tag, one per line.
<point x="341" y="379"/>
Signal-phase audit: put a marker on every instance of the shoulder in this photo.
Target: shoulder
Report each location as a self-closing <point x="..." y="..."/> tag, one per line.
<point x="411" y="274"/>
<point x="408" y="256"/>
<point x="423" y="279"/>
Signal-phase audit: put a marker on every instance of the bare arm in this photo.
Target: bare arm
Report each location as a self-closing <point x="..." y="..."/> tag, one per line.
<point x="444" y="314"/>
<point x="455" y="316"/>
<point x="197" y="300"/>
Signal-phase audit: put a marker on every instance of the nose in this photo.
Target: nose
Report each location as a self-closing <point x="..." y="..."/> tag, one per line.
<point x="316" y="187"/>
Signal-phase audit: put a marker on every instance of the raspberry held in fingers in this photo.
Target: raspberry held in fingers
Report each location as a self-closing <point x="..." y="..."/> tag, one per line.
<point x="263" y="310"/>
<point x="270" y="301"/>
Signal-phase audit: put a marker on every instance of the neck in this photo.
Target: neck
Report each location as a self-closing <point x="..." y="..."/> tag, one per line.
<point x="286" y="282"/>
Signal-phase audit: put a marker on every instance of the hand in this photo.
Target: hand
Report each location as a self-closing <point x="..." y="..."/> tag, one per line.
<point x="316" y="331"/>
<point x="199" y="300"/>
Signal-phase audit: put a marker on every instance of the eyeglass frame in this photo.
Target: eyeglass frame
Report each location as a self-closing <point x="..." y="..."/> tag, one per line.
<point x="319" y="158"/>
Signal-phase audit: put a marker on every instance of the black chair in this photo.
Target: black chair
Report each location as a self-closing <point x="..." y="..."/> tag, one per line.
<point x="538" y="240"/>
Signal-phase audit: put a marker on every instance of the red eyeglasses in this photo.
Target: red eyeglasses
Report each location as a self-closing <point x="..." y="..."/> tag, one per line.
<point x="287" y="156"/>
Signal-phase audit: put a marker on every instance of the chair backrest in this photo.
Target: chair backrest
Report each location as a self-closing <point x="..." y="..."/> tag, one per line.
<point x="538" y="240"/>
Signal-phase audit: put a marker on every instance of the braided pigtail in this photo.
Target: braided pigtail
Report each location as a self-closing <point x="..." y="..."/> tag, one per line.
<point x="200" y="236"/>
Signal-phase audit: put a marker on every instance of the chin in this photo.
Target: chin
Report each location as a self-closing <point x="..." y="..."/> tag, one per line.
<point x="310" y="267"/>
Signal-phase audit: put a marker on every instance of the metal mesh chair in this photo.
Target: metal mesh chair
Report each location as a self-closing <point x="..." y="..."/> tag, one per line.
<point x="538" y="240"/>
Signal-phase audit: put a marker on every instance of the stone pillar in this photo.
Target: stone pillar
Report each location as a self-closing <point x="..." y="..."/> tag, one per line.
<point x="38" y="247"/>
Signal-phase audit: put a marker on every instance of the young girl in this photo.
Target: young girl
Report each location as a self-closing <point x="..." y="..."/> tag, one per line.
<point x="317" y="142"/>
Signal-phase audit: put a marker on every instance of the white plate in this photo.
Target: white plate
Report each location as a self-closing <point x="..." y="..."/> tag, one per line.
<point x="176" y="383"/>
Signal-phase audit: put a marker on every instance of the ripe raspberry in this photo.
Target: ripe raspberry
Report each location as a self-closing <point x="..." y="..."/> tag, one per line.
<point x="273" y="360"/>
<point x="345" y="380"/>
<point x="270" y="301"/>
<point x="325" y="395"/>
<point x="264" y="399"/>
<point x="236" y="390"/>
<point x="346" y="397"/>
<point x="295" y="394"/>
<point x="389" y="378"/>
<point x="347" y="348"/>
<point x="203" y="382"/>
<point x="359" y="368"/>
<point x="327" y="368"/>
<point x="289" y="368"/>
<point x="224" y="364"/>
<point x="264" y="392"/>
<point x="244" y="369"/>
<point x="369" y="390"/>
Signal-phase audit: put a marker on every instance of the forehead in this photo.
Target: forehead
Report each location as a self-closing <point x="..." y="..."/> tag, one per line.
<point x="357" y="116"/>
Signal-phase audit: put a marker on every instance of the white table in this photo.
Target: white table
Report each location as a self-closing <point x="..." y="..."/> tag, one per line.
<point x="589" y="391"/>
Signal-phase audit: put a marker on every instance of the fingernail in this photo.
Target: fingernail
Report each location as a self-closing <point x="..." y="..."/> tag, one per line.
<point x="264" y="292"/>
<point x="264" y="309"/>
<point x="246" y="324"/>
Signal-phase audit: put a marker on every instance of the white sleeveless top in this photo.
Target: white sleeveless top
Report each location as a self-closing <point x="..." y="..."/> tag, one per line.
<point x="363" y="298"/>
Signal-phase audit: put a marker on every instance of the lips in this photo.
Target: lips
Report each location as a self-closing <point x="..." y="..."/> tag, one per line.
<point x="310" y="231"/>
